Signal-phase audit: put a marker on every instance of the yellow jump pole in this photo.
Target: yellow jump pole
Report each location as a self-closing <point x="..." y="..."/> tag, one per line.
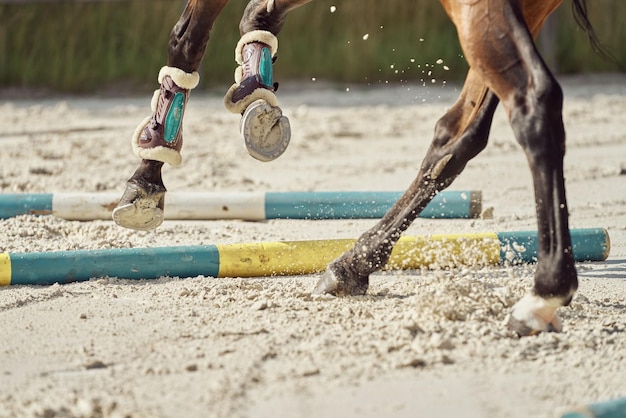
<point x="283" y="258"/>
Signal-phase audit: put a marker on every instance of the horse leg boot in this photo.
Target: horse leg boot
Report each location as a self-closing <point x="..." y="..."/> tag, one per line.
<point x="265" y="131"/>
<point x="159" y="139"/>
<point x="459" y="136"/>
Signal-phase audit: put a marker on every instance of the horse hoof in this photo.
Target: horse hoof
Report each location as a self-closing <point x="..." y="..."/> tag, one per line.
<point x="533" y="315"/>
<point x="139" y="210"/>
<point x="332" y="283"/>
<point x="327" y="284"/>
<point x="265" y="131"/>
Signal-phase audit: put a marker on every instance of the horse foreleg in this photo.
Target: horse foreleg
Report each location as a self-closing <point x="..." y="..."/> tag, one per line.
<point x="510" y="65"/>
<point x="159" y="138"/>
<point x="459" y="136"/>
<point x="502" y="50"/>
<point x="266" y="132"/>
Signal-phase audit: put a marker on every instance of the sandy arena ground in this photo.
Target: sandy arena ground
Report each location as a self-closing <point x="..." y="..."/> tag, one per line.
<point x="421" y="344"/>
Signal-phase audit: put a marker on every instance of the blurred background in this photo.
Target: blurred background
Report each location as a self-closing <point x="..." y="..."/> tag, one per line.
<point x="95" y="46"/>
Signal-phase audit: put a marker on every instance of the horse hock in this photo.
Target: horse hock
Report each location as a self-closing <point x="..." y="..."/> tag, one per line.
<point x="264" y="129"/>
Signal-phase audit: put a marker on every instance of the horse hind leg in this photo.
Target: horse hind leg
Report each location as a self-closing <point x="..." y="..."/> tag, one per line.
<point x="159" y="138"/>
<point x="507" y="60"/>
<point x="459" y="136"/>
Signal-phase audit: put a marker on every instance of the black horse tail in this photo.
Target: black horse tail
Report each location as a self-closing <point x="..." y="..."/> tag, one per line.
<point x="579" y="8"/>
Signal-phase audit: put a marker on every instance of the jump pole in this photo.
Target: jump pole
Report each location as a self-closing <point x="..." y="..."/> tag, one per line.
<point x="614" y="408"/>
<point x="282" y="258"/>
<point x="243" y="205"/>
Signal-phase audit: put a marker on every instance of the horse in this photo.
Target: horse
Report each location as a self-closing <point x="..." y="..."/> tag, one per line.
<point x="497" y="39"/>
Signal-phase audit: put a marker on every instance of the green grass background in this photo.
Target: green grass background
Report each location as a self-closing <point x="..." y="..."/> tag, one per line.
<point x="93" y="46"/>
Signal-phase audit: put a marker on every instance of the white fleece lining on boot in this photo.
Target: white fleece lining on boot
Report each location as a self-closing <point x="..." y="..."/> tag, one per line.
<point x="243" y="104"/>
<point x="163" y="154"/>
<point x="155" y="100"/>
<point x="238" y="74"/>
<point x="182" y="79"/>
<point x="262" y="36"/>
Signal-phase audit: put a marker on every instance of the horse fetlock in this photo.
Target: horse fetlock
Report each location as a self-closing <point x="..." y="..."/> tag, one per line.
<point x="533" y="314"/>
<point x="159" y="137"/>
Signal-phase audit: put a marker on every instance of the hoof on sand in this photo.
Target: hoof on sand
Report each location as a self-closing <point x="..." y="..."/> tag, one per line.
<point x="331" y="283"/>
<point x="533" y="315"/>
<point x="328" y="284"/>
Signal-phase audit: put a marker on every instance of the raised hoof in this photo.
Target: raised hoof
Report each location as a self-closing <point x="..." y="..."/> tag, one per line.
<point x="138" y="209"/>
<point x="330" y="283"/>
<point x="533" y="315"/>
<point x="265" y="131"/>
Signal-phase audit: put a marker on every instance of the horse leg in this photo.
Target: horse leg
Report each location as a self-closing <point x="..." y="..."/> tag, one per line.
<point x="502" y="53"/>
<point x="509" y="63"/>
<point x="459" y="136"/>
<point x="159" y="138"/>
<point x="265" y="131"/>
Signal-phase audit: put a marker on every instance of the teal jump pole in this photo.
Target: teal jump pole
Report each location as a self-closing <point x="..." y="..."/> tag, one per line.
<point x="589" y="245"/>
<point x="127" y="263"/>
<point x="354" y="205"/>
<point x="243" y="205"/>
<point x="615" y="408"/>
<point x="266" y="259"/>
